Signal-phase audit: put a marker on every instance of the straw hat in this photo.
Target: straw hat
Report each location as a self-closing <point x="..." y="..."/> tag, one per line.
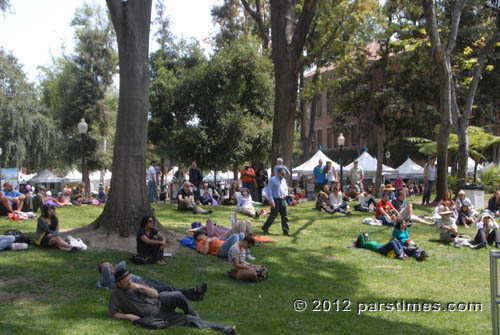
<point x="445" y="210"/>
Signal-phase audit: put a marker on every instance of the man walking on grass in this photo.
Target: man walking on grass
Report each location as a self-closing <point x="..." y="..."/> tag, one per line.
<point x="276" y="193"/>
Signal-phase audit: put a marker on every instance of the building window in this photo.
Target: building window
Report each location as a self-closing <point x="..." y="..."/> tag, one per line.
<point x="329" y="138"/>
<point x="318" y="105"/>
<point x="320" y="137"/>
<point x="329" y="102"/>
<point x="355" y="136"/>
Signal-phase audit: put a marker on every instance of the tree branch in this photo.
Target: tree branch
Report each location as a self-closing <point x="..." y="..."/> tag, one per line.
<point x="257" y="16"/>
<point x="483" y="53"/>
<point x="303" y="25"/>
<point x="455" y="23"/>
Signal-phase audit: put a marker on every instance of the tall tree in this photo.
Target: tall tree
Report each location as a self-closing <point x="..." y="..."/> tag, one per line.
<point x="127" y="201"/>
<point x="288" y="39"/>
<point x="27" y="135"/>
<point x="448" y="105"/>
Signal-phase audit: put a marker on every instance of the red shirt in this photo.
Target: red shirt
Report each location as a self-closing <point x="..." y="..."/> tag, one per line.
<point x="387" y="206"/>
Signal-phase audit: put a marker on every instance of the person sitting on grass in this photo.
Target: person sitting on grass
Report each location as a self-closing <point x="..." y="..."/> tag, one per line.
<point x="150" y="242"/>
<point x="206" y="194"/>
<point x="239" y="269"/>
<point x="448" y="231"/>
<point x="494" y="204"/>
<point x="353" y="192"/>
<point x="337" y="201"/>
<point x="465" y="210"/>
<point x="186" y="200"/>
<point x="486" y="231"/>
<point x="405" y="209"/>
<point x="10" y="199"/>
<point x="107" y="271"/>
<point x="385" y="211"/>
<point x="365" y="200"/>
<point x="47" y="231"/>
<point x="133" y="301"/>
<point x="364" y="241"/>
<point x="445" y="202"/>
<point x="245" y="202"/>
<point x="213" y="245"/>
<point x="323" y="202"/>
<point x="401" y="233"/>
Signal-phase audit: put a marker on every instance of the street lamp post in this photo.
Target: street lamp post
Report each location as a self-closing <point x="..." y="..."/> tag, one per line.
<point x="83" y="127"/>
<point x="341" y="142"/>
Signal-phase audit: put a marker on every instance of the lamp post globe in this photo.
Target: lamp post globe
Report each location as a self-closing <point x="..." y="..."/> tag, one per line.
<point x="341" y="142"/>
<point x="83" y="128"/>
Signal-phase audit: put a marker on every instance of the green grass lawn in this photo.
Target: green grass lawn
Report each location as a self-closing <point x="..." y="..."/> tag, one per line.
<point x="46" y="291"/>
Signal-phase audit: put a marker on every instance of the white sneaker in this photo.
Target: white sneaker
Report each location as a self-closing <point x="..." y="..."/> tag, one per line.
<point x="250" y="257"/>
<point x="456" y="244"/>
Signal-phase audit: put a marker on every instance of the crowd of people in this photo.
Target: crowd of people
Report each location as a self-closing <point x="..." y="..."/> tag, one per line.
<point x="150" y="302"/>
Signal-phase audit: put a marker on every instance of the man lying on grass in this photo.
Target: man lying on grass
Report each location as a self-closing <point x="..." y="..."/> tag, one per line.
<point x="133" y="301"/>
<point x="107" y="272"/>
<point x="213" y="245"/>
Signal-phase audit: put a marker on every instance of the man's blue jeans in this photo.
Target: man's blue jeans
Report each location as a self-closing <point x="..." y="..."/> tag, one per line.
<point x="6" y="241"/>
<point x="386" y="221"/>
<point x="152" y="191"/>
<point x="228" y="243"/>
<point x="427" y="192"/>
<point x="391" y="245"/>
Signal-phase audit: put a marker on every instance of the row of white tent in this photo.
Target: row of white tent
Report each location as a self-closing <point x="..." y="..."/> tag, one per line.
<point x="72" y="177"/>
<point x="409" y="169"/>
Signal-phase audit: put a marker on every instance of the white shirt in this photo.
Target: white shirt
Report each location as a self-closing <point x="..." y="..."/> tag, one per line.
<point x="335" y="199"/>
<point x="151" y="173"/>
<point x="331" y="175"/>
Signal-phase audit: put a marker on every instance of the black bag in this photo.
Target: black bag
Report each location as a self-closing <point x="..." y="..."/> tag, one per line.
<point x="140" y="260"/>
<point x="20" y="237"/>
<point x="151" y="322"/>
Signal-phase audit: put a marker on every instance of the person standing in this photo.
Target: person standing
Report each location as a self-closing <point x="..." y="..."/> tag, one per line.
<point x="429" y="180"/>
<point x="319" y="177"/>
<point x="331" y="174"/>
<point x="262" y="179"/>
<point x="248" y="177"/>
<point x="152" y="181"/>
<point x="276" y="193"/>
<point x="357" y="175"/>
<point x="195" y="178"/>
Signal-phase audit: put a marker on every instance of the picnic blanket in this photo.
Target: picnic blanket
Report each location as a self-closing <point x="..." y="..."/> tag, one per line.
<point x="264" y="239"/>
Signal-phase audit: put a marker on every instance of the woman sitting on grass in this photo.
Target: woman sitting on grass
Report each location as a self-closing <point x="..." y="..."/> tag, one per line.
<point x="364" y="241"/>
<point x="486" y="232"/>
<point x="245" y="202"/>
<point x="47" y="230"/>
<point x="465" y="209"/>
<point x="337" y="201"/>
<point x="445" y="202"/>
<point x="401" y="233"/>
<point x="150" y="242"/>
<point x="206" y="194"/>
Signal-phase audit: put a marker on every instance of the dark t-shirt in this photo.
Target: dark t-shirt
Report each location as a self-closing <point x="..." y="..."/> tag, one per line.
<point x="195" y="176"/>
<point x="180" y="205"/>
<point x="142" y="247"/>
<point x="132" y="302"/>
<point x="398" y="204"/>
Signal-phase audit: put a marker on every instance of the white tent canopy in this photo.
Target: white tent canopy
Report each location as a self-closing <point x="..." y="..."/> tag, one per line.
<point x="95" y="179"/>
<point x="369" y="165"/>
<point x="409" y="169"/>
<point x="307" y="167"/>
<point x="210" y="177"/>
<point x="72" y="176"/>
<point x="45" y="176"/>
<point x="470" y="166"/>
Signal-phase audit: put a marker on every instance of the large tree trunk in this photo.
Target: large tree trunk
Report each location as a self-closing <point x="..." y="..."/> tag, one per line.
<point x="287" y="47"/>
<point x="307" y="122"/>
<point x="380" y="157"/>
<point x="127" y="201"/>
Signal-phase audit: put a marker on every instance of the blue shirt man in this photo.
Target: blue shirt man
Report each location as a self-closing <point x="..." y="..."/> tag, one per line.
<point x="276" y="192"/>
<point x="319" y="177"/>
<point x="11" y="199"/>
